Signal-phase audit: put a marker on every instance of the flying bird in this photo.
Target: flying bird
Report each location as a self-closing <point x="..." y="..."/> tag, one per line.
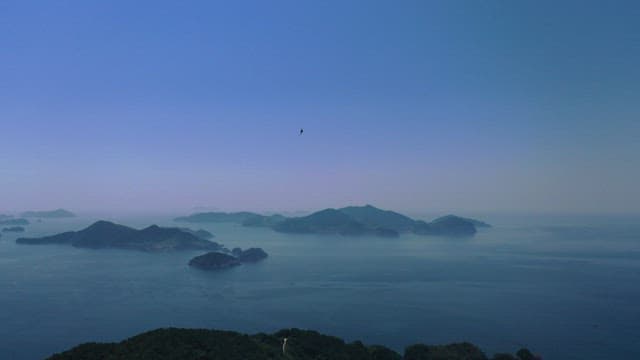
<point x="301" y="131"/>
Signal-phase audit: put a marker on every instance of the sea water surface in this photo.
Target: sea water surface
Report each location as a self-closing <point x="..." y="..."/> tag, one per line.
<point x="565" y="287"/>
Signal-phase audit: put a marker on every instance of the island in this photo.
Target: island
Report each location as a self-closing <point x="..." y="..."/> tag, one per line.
<point x="445" y="226"/>
<point x="369" y="220"/>
<point x="221" y="259"/>
<point x="13" y="229"/>
<point x="373" y="217"/>
<point x="196" y="344"/>
<point x="348" y="221"/>
<point x="476" y="223"/>
<point x="14" y="222"/>
<point x="328" y="221"/>
<point x="50" y="214"/>
<point x="201" y="233"/>
<point x="105" y="234"/>
<point x="214" y="261"/>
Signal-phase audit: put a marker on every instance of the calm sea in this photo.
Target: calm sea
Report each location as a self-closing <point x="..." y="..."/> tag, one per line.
<point x="566" y="287"/>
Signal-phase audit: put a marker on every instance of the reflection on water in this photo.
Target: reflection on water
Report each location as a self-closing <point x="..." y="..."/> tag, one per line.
<point x="565" y="287"/>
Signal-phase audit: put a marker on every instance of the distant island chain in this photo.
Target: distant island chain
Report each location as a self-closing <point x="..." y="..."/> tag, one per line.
<point x="347" y="221"/>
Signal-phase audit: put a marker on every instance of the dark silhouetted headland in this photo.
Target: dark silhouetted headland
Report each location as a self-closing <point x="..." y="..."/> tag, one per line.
<point x="196" y="344"/>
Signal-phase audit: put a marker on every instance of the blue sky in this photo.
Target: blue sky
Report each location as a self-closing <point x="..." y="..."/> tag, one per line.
<point x="460" y="106"/>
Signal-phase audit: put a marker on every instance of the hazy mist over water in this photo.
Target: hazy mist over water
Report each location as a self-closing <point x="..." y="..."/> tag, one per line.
<point x="565" y="288"/>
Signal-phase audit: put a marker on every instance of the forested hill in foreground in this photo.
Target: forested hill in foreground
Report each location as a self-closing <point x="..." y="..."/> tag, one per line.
<point x="198" y="344"/>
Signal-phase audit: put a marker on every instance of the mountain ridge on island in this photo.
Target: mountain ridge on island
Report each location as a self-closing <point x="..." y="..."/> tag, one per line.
<point x="476" y="223"/>
<point x="327" y="221"/>
<point x="196" y="344"/>
<point x="49" y="214"/>
<point x="105" y="234"/>
<point x="348" y="221"/>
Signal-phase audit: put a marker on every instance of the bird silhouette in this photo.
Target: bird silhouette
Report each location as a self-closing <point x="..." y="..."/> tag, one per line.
<point x="301" y="131"/>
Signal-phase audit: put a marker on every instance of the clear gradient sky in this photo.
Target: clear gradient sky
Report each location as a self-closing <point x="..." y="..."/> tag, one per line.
<point x="410" y="105"/>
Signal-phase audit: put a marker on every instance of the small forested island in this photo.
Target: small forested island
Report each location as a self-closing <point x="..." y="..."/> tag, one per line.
<point x="219" y="260"/>
<point x="214" y="261"/>
<point x="105" y="234"/>
<point x="13" y="229"/>
<point x="349" y="221"/>
<point x="50" y="214"/>
<point x="201" y="344"/>
<point x="12" y="221"/>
